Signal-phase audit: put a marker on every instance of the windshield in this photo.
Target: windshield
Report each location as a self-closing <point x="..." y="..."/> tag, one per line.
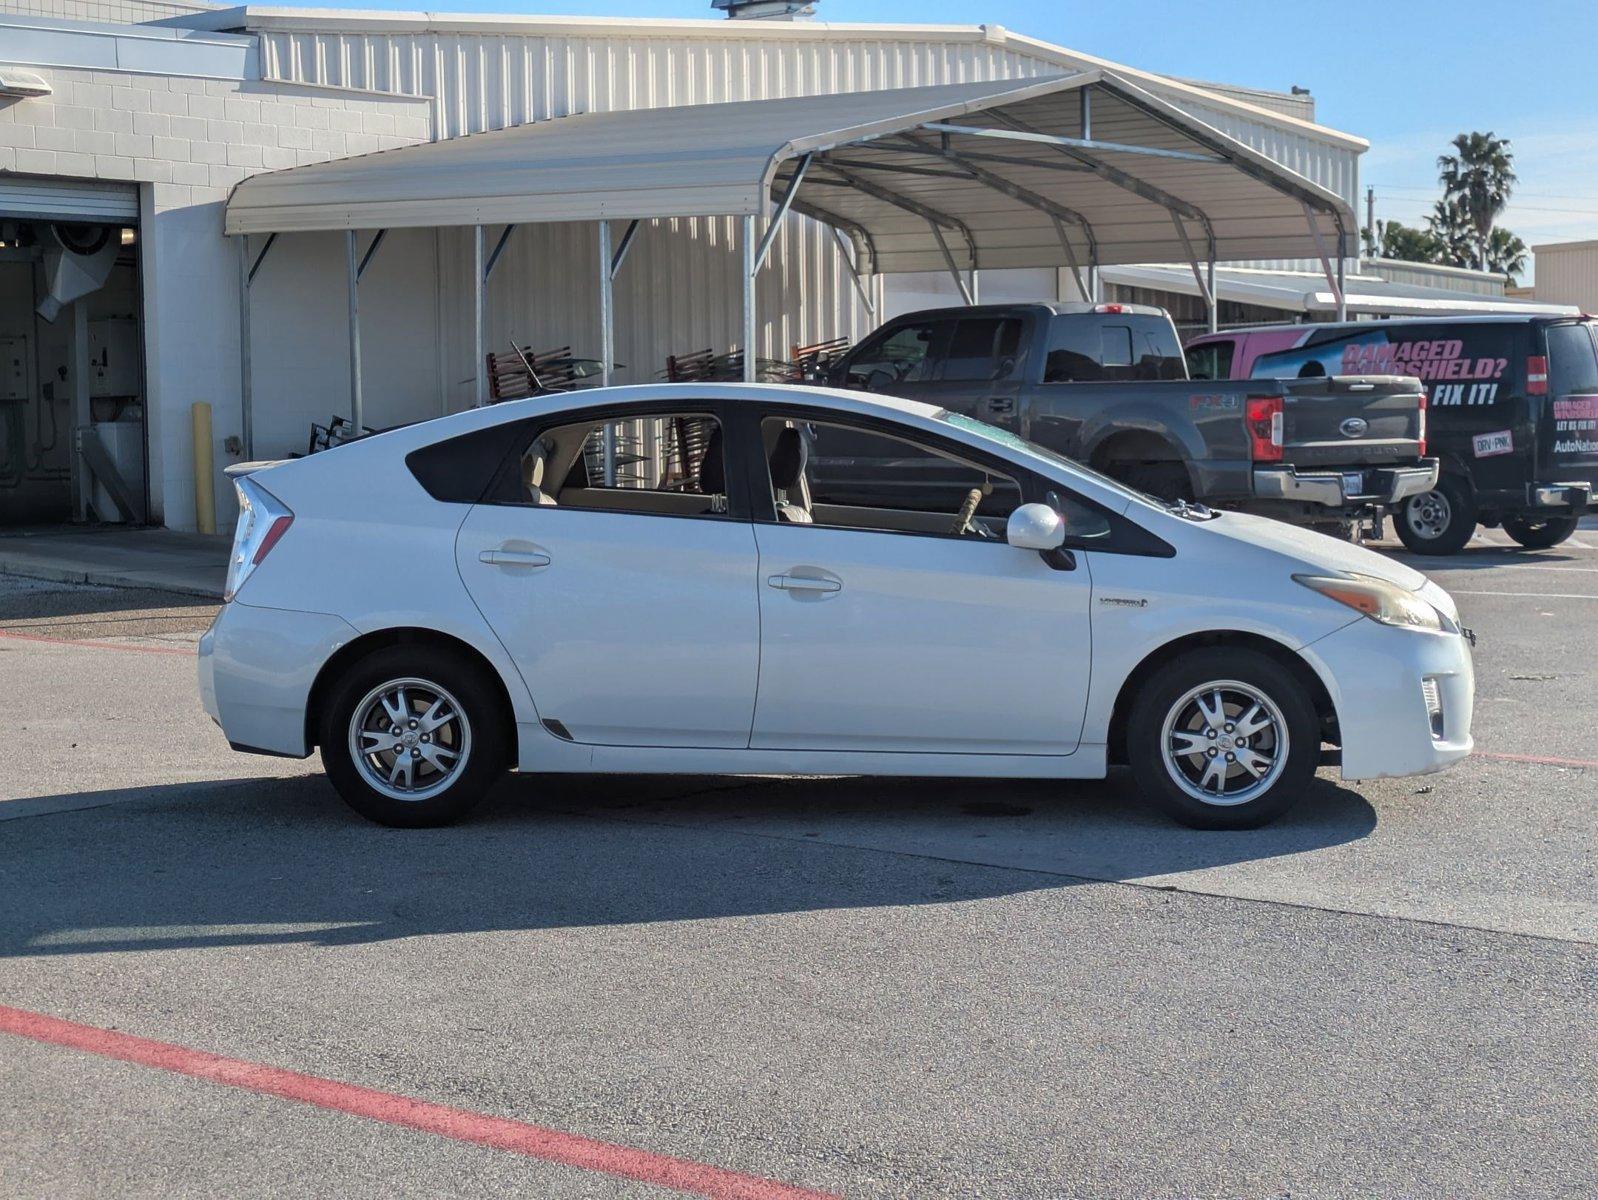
<point x="1010" y="441"/>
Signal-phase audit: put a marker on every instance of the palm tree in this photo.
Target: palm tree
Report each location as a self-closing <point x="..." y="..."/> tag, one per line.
<point x="1450" y="227"/>
<point x="1506" y="254"/>
<point x="1479" y="177"/>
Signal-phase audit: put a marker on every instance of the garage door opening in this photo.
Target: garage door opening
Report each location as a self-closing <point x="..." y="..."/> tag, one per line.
<point x="72" y="395"/>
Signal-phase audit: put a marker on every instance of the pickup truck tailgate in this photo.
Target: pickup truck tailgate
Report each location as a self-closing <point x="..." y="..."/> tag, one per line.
<point x="1348" y="420"/>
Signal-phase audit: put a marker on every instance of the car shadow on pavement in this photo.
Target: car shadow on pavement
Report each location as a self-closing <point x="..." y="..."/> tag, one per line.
<point x="274" y="861"/>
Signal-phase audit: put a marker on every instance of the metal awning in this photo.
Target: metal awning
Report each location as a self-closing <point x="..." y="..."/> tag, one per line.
<point x="1306" y="292"/>
<point x="1062" y="170"/>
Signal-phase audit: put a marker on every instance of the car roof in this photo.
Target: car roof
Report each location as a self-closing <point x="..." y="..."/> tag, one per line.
<point x="1395" y="322"/>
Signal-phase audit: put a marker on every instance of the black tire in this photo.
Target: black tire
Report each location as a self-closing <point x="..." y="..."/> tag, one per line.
<point x="1166" y="481"/>
<point x="1440" y="521"/>
<point x="426" y="673"/>
<point x="1170" y="693"/>
<point x="1536" y="533"/>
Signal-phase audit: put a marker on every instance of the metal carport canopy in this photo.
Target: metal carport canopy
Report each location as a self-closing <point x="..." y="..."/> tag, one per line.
<point x="1063" y="170"/>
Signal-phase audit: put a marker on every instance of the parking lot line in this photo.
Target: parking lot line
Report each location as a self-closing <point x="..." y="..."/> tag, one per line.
<point x="498" y="1133"/>
<point x="55" y="641"/>
<point x="1527" y="595"/>
<point x="1536" y="758"/>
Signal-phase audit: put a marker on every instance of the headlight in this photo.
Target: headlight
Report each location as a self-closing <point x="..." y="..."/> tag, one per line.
<point x="1379" y="600"/>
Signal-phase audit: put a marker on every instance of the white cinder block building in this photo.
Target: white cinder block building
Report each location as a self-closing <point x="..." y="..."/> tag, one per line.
<point x="124" y="125"/>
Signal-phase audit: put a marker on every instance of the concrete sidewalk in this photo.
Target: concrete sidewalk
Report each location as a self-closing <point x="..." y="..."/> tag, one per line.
<point x="190" y="564"/>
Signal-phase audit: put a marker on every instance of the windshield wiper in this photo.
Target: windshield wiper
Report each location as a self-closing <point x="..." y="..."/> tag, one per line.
<point x="1191" y="509"/>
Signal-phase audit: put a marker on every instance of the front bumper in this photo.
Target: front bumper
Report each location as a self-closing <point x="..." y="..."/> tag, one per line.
<point x="1353" y="488"/>
<point x="1375" y="675"/>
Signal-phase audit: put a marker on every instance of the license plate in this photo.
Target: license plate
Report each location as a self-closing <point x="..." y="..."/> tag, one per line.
<point x="1353" y="484"/>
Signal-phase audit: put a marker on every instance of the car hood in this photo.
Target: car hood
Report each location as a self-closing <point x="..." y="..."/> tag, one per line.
<point x="1314" y="551"/>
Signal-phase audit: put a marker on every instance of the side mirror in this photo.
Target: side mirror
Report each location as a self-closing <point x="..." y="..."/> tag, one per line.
<point x="1035" y="527"/>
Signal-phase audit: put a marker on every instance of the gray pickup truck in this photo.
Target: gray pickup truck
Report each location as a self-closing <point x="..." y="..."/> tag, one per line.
<point x="1107" y="385"/>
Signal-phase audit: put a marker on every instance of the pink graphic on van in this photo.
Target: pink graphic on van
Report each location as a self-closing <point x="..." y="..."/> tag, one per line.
<point x="1441" y="358"/>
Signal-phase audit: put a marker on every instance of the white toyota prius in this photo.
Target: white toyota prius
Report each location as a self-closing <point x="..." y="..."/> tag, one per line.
<point x="752" y="579"/>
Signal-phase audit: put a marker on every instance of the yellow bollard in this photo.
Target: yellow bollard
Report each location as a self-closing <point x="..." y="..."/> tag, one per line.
<point x="204" y="489"/>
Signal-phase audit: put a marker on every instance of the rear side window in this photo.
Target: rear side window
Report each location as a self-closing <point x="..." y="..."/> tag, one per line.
<point x="459" y="470"/>
<point x="1572" y="362"/>
<point x="1213" y="360"/>
<point x="982" y="348"/>
<point x="1460" y="364"/>
<point x="1084" y="348"/>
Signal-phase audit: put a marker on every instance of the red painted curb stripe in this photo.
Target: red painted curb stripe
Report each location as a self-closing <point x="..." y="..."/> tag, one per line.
<point x="55" y="641"/>
<point x="498" y="1133"/>
<point x="1533" y="758"/>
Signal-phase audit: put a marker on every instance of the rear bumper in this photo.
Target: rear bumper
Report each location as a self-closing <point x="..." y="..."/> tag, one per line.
<point x="1353" y="488"/>
<point x="256" y="669"/>
<point x="1571" y="499"/>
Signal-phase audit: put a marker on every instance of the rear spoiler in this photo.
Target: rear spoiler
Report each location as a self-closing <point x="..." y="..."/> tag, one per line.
<point x="240" y="470"/>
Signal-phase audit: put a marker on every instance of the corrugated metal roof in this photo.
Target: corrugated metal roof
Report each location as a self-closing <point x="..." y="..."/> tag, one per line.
<point x="1000" y="187"/>
<point x="268" y="19"/>
<point x="1302" y="292"/>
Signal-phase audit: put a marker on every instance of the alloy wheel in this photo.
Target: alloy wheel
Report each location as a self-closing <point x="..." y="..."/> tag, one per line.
<point x="410" y="739"/>
<point x="1224" y="742"/>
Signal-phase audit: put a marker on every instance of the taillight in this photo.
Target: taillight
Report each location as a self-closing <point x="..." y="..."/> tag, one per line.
<point x="263" y="520"/>
<point x="1536" y="375"/>
<point x="1423" y="405"/>
<point x="1264" y="421"/>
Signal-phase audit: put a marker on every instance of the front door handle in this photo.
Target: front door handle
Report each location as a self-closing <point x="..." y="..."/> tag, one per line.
<point x="804" y="583"/>
<point x="513" y="558"/>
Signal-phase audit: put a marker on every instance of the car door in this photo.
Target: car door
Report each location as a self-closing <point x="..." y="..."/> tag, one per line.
<point x="629" y="606"/>
<point x="882" y="631"/>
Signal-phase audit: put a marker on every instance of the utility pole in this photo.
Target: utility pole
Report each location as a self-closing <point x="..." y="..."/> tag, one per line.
<point x="1370" y="223"/>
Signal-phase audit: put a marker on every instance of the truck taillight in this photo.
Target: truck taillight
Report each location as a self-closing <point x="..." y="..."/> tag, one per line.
<point x="1263" y="416"/>
<point x="1109" y="308"/>
<point x="1424" y="402"/>
<point x="1536" y="375"/>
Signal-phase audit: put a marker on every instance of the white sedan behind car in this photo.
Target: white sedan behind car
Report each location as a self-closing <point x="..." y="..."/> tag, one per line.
<point x="705" y="579"/>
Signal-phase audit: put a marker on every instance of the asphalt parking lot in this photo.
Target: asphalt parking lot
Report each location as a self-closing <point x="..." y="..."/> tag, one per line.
<point x="868" y="989"/>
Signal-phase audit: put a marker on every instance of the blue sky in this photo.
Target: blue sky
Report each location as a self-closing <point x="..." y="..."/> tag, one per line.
<point x="1406" y="75"/>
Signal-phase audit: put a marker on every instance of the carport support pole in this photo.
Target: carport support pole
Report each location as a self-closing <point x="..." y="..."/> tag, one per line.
<point x="749" y="298"/>
<point x="1214" y="300"/>
<point x="1342" y="290"/>
<point x="479" y="300"/>
<point x="607" y="347"/>
<point x="352" y="273"/>
<point x="246" y="383"/>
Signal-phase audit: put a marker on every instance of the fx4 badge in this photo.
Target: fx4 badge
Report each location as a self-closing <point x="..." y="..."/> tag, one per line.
<point x="1124" y="601"/>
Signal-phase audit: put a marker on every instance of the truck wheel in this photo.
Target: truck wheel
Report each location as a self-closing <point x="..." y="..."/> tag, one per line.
<point x="1163" y="480"/>
<point x="1539" y="534"/>
<point x="412" y="736"/>
<point x="1440" y="521"/>
<point x="1223" y="738"/>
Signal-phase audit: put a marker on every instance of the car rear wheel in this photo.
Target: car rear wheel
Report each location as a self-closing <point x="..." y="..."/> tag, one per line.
<point x="1539" y="534"/>
<point x="1440" y="521"/>
<point x="412" y="736"/>
<point x="1223" y="739"/>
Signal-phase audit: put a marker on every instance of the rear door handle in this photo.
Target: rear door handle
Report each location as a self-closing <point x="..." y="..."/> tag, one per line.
<point x="1001" y="404"/>
<point x="803" y="583"/>
<point x="513" y="558"/>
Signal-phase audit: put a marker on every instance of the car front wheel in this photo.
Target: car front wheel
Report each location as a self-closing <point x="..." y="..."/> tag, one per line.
<point x="411" y="736"/>
<point x="1223" y="738"/>
<point x="1539" y="533"/>
<point x="1440" y="521"/>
